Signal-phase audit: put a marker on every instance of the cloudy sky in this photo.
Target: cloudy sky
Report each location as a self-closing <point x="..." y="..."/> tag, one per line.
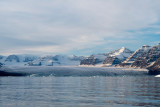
<point x="79" y="27"/>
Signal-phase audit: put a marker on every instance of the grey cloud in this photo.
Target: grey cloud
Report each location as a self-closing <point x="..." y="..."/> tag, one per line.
<point x="72" y="23"/>
<point x="11" y="42"/>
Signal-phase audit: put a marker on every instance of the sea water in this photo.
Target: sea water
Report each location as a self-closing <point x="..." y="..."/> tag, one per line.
<point x="80" y="91"/>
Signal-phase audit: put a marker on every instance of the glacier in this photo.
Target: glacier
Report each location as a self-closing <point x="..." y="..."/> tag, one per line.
<point x="70" y="71"/>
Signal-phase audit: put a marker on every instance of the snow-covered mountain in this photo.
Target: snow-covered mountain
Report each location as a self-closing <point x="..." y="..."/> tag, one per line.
<point x="143" y="58"/>
<point x="122" y="53"/>
<point x="133" y="57"/>
<point x="111" y="58"/>
<point x="57" y="60"/>
<point x="117" y="56"/>
<point x="49" y="60"/>
<point x="17" y="60"/>
<point x="147" y="58"/>
<point x="94" y="59"/>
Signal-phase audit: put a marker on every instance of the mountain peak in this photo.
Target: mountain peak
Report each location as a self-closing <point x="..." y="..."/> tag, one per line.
<point x="123" y="49"/>
<point x="122" y="53"/>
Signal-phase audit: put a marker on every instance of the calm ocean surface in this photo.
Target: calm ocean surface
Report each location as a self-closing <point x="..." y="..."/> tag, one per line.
<point x="98" y="91"/>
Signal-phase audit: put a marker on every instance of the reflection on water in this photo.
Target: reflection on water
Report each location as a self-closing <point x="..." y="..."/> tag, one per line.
<point x="79" y="91"/>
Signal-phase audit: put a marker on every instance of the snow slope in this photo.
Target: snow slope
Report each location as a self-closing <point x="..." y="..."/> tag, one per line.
<point x="17" y="60"/>
<point x="122" y="53"/>
<point x="117" y="56"/>
<point x="57" y="60"/>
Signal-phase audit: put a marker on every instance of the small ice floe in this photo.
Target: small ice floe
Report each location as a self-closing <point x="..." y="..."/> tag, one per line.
<point x="157" y="76"/>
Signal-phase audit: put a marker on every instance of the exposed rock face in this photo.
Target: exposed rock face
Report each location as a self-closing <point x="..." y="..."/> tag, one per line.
<point x="147" y="58"/>
<point x="90" y="61"/>
<point x="94" y="59"/>
<point x="141" y="63"/>
<point x="143" y="57"/>
<point x="153" y="54"/>
<point x="133" y="57"/>
<point x="112" y="58"/>
<point x="155" y="68"/>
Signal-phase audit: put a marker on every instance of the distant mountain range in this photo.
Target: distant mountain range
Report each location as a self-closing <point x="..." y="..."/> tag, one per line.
<point x="48" y="60"/>
<point x="145" y="57"/>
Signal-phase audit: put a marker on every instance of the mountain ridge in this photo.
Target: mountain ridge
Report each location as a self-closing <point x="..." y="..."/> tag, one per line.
<point x="111" y="58"/>
<point x="146" y="57"/>
<point x="48" y="60"/>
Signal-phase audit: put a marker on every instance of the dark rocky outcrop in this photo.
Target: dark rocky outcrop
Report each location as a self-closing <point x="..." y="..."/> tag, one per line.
<point x="143" y="57"/>
<point x="90" y="61"/>
<point x="141" y="63"/>
<point x="147" y="58"/>
<point x="94" y="59"/>
<point x="112" y="60"/>
<point x="155" y="68"/>
<point x="135" y="57"/>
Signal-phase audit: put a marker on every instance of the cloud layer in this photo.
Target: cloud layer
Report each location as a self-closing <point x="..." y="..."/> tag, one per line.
<point x="76" y="26"/>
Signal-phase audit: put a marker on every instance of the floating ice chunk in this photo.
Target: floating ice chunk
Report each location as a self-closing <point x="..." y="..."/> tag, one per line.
<point x="157" y="76"/>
